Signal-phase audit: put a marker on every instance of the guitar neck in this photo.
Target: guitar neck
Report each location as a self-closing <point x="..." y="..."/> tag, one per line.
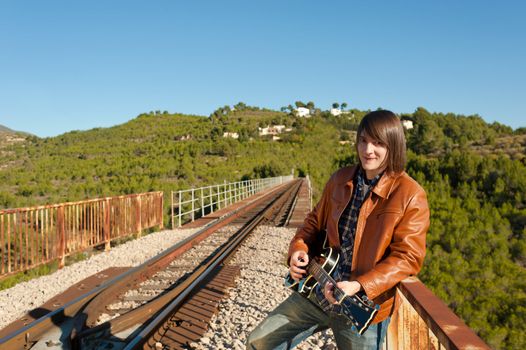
<point x="320" y="275"/>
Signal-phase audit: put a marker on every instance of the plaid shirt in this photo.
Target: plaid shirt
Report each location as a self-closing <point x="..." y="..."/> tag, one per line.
<point x="347" y="229"/>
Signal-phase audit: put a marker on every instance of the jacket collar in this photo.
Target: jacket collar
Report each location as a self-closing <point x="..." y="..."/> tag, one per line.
<point x="383" y="187"/>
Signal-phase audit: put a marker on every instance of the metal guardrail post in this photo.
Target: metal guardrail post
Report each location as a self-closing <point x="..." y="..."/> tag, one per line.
<point x="61" y="236"/>
<point x="193" y="205"/>
<point x="218" y="198"/>
<point x="172" y="208"/>
<point x="138" y="217"/>
<point x="211" y="200"/>
<point x="8" y="244"/>
<point x="225" y="194"/>
<point x="202" y="203"/>
<point x="179" y="206"/>
<point x="161" y="212"/>
<point x="107" y="221"/>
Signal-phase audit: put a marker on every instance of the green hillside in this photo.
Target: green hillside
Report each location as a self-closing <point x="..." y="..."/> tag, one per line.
<point x="474" y="174"/>
<point x="164" y="152"/>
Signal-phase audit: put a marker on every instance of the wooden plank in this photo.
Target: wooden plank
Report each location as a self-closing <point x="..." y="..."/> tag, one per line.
<point x="199" y="304"/>
<point x="195" y="312"/>
<point x="182" y="320"/>
<point x="185" y="329"/>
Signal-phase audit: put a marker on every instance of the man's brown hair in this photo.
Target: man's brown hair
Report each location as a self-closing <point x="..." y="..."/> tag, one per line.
<point x="385" y="126"/>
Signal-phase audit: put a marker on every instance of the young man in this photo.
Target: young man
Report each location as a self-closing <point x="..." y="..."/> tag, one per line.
<point x="377" y="217"/>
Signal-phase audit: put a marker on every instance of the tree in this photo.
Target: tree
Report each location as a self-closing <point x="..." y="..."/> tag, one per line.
<point x="299" y="104"/>
<point x="427" y="136"/>
<point x="335" y="105"/>
<point x="240" y="106"/>
<point x="344" y="105"/>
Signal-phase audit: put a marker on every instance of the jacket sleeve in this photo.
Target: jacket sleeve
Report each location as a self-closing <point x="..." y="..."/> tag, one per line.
<point x="406" y="251"/>
<point x="314" y="223"/>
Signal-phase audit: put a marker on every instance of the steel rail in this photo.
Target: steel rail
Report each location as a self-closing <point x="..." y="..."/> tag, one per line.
<point x="144" y="312"/>
<point x="97" y="306"/>
<point x="153" y="325"/>
<point x="277" y="217"/>
<point x="136" y="340"/>
<point x="292" y="206"/>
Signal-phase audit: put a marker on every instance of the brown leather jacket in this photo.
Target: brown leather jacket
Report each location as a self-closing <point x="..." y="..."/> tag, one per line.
<point x="390" y="241"/>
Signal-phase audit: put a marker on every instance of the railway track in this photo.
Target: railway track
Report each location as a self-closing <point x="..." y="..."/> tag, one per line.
<point x="165" y="302"/>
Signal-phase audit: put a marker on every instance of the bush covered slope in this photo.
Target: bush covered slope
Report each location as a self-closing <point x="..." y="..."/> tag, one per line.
<point x="474" y="174"/>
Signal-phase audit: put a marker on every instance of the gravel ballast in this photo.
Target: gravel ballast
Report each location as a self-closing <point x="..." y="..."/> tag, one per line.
<point x="258" y="291"/>
<point x="15" y="302"/>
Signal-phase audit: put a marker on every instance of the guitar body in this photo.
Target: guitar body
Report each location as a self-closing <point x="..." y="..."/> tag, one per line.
<point x="328" y="260"/>
<point x="358" y="309"/>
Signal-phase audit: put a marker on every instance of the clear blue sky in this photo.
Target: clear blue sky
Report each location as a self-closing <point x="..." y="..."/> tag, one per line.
<point x="76" y="65"/>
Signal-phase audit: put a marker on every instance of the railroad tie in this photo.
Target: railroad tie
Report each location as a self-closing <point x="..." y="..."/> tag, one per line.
<point x="192" y="320"/>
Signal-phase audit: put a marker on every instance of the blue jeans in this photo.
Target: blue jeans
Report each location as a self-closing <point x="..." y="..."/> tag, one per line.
<point x="298" y="318"/>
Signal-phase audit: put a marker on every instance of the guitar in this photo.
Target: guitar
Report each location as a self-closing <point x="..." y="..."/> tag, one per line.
<point x="359" y="310"/>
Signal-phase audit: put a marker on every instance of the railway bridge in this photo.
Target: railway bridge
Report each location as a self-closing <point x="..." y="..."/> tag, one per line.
<point x="171" y="300"/>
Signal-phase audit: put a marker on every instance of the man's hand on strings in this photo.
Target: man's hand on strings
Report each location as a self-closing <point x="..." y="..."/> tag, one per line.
<point x="298" y="260"/>
<point x="348" y="287"/>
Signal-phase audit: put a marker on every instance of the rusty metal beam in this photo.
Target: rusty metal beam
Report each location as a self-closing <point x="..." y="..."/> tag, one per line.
<point x="451" y="331"/>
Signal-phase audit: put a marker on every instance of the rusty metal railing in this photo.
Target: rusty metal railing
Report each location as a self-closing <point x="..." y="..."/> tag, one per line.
<point x="33" y="236"/>
<point x="423" y="321"/>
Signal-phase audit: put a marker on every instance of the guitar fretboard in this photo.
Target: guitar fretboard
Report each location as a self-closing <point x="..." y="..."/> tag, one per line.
<point x="323" y="278"/>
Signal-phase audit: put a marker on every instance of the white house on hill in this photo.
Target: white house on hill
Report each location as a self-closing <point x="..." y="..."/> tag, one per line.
<point x="271" y="130"/>
<point x="336" y="111"/>
<point x="407" y="124"/>
<point x="233" y="135"/>
<point x="302" y="112"/>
